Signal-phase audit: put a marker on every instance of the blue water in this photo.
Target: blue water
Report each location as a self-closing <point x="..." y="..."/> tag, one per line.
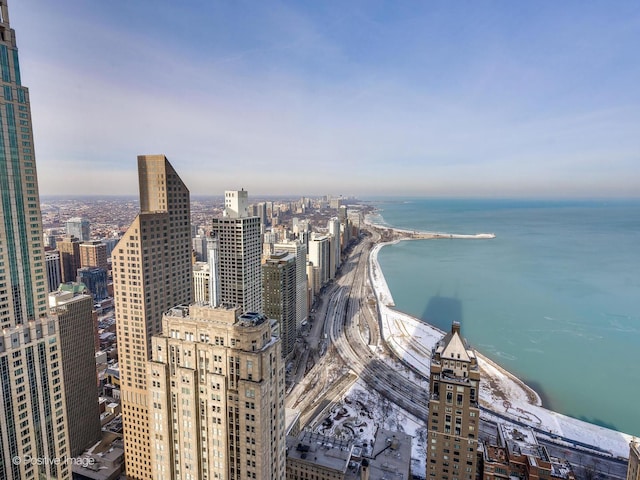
<point x="554" y="298"/>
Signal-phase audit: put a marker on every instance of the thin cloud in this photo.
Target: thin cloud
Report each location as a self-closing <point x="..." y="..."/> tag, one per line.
<point x="331" y="101"/>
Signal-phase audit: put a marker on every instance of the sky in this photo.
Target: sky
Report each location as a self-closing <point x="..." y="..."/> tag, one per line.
<point x="425" y="98"/>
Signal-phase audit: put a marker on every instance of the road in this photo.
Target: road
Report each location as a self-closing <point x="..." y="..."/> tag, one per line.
<point x="341" y="319"/>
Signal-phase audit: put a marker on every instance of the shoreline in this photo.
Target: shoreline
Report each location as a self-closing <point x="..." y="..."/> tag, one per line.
<point x="502" y="393"/>
<point x="532" y="396"/>
<point x="406" y="234"/>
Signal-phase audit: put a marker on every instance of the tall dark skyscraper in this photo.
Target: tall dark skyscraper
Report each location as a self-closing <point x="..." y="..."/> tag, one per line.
<point x="279" y="285"/>
<point x="32" y="401"/>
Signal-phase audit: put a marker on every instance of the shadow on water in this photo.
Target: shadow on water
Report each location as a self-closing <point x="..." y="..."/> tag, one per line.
<point x="442" y="311"/>
<point x="546" y="401"/>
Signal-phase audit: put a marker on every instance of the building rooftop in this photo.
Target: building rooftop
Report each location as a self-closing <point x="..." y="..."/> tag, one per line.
<point x="522" y="441"/>
<point x="454" y="346"/>
<point x="251" y="319"/>
<point x="391" y="456"/>
<point x="319" y="450"/>
<point x="103" y="461"/>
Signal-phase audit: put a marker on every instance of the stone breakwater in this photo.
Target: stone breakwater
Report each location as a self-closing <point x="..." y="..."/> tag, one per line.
<point x="390" y="234"/>
<point x="429" y="235"/>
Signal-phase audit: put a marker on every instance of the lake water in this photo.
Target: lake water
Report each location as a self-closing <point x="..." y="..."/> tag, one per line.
<point x="554" y="298"/>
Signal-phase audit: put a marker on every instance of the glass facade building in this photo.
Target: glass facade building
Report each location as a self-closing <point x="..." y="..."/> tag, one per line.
<point x="34" y="439"/>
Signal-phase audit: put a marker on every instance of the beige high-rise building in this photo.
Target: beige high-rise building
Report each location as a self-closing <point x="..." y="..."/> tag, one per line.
<point x="633" y="470"/>
<point x="151" y="266"/>
<point x="216" y="396"/>
<point x="73" y="307"/>
<point x="201" y="275"/>
<point x="453" y="409"/>
<point x="93" y="254"/>
<point x="32" y="403"/>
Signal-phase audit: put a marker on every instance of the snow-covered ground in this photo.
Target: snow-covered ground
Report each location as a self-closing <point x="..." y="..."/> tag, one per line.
<point x="412" y="340"/>
<point x="361" y="411"/>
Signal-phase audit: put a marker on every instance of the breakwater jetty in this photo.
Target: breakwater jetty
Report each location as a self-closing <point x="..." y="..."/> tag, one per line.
<point x="389" y="234"/>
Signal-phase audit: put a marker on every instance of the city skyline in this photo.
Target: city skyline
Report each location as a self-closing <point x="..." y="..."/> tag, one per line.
<point x="524" y="100"/>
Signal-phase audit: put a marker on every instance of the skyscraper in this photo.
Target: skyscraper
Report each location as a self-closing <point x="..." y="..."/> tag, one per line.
<point x="93" y="254"/>
<point x="151" y="268"/>
<point x="201" y="282"/>
<point x="217" y="396"/>
<point x="79" y="228"/>
<point x="95" y="279"/>
<point x="240" y="247"/>
<point x="32" y="401"/>
<point x="320" y="256"/>
<point x="69" y="248"/>
<point x="213" y="257"/>
<point x="73" y="306"/>
<point x="336" y="244"/>
<point x="54" y="274"/>
<point x="299" y="249"/>
<point x="279" y="286"/>
<point x="453" y="409"/>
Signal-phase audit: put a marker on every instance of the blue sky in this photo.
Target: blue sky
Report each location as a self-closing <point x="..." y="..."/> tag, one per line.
<point x="492" y="98"/>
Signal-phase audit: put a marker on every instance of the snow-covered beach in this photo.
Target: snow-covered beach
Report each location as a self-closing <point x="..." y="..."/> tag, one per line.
<point x="502" y="392"/>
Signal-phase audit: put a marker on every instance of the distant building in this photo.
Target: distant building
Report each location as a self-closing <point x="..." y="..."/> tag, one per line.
<point x="320" y="256"/>
<point x="95" y="279"/>
<point x="260" y="210"/>
<point x="213" y="259"/>
<point x="79" y="228"/>
<point x="216" y="391"/>
<point x="313" y="281"/>
<point x="201" y="282"/>
<point x="54" y="273"/>
<point x="49" y="240"/>
<point x="110" y="244"/>
<point x="454" y="415"/>
<point x="336" y="202"/>
<point x="240" y="247"/>
<point x="93" y="254"/>
<point x="336" y="244"/>
<point x="633" y="471"/>
<point x="279" y="286"/>
<point x="299" y="250"/>
<point x="200" y="247"/>
<point x="69" y="248"/>
<point x="236" y="203"/>
<point x="72" y="306"/>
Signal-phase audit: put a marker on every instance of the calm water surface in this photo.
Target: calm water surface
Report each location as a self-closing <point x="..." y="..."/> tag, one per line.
<point x="555" y="298"/>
